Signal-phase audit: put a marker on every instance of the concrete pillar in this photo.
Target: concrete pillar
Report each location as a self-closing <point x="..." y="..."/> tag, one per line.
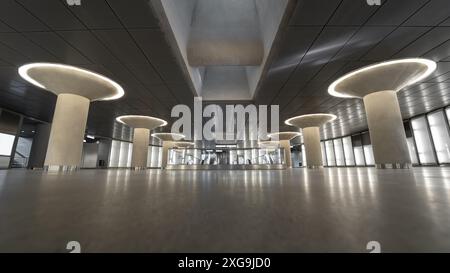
<point x="140" y="148"/>
<point x="65" y="144"/>
<point x="287" y="152"/>
<point x="387" y="133"/>
<point x="311" y="139"/>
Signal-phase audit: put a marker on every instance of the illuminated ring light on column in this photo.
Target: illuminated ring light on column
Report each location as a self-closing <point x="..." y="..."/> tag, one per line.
<point x="168" y="141"/>
<point x="62" y="79"/>
<point x="142" y="125"/>
<point x="311" y="120"/>
<point x="182" y="144"/>
<point x="173" y="137"/>
<point x="310" y="125"/>
<point x="75" y="89"/>
<point x="284" y="135"/>
<point x="136" y="121"/>
<point x="378" y="85"/>
<point x="284" y="139"/>
<point x="380" y="76"/>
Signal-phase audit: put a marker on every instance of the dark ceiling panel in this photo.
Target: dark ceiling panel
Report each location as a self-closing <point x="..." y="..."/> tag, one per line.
<point x="439" y="53"/>
<point x="366" y="38"/>
<point x="96" y="14"/>
<point x="425" y="43"/>
<point x="432" y="14"/>
<point x="55" y="14"/>
<point x="12" y="57"/>
<point x="316" y="12"/>
<point x="89" y="44"/>
<point x="135" y="13"/>
<point x="4" y="27"/>
<point x="394" y="42"/>
<point x="15" y="16"/>
<point x="32" y="51"/>
<point x="121" y="45"/>
<point x="395" y="12"/>
<point x="329" y="43"/>
<point x="352" y="13"/>
<point x="296" y="42"/>
<point x="58" y="47"/>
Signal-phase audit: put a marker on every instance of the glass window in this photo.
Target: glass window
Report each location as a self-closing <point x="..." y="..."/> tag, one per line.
<point x="155" y="155"/>
<point x="367" y="146"/>
<point x="303" y="156"/>
<point x="410" y="142"/>
<point x="412" y="150"/>
<point x="324" y="156"/>
<point x="339" y="151"/>
<point x="149" y="157"/>
<point x="447" y="110"/>
<point x="368" y="153"/>
<point x="6" y="144"/>
<point x="348" y="151"/>
<point x="331" y="160"/>
<point x="439" y="131"/>
<point x="423" y="141"/>
<point x="358" y="150"/>
<point x="114" y="154"/>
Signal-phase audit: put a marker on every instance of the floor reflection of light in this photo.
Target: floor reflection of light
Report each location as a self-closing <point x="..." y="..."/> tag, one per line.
<point x="306" y="181"/>
<point x="350" y="184"/>
<point x="371" y="175"/>
<point x="331" y="184"/>
<point x="427" y="185"/>
<point x="360" y="179"/>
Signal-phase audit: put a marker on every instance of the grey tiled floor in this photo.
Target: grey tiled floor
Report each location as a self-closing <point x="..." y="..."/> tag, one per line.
<point x="298" y="210"/>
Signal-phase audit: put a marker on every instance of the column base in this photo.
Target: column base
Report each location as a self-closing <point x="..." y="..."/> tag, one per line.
<point x="394" y="166"/>
<point x="139" y="168"/>
<point x="314" y="167"/>
<point x="60" y="168"/>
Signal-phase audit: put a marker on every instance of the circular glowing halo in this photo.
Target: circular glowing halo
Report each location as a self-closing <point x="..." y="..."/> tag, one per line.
<point x="431" y="67"/>
<point x="330" y="116"/>
<point x="279" y="134"/>
<point x="173" y="136"/>
<point x="23" y="72"/>
<point x="120" y="120"/>
<point x="182" y="144"/>
<point x="269" y="143"/>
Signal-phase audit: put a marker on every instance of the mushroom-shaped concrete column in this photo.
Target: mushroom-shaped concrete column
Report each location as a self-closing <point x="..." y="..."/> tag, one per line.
<point x="75" y="88"/>
<point x="169" y="140"/>
<point x="311" y="135"/>
<point x="142" y="126"/>
<point x="377" y="86"/>
<point x="284" y="139"/>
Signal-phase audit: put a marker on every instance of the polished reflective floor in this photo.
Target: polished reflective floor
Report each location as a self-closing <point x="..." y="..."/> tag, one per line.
<point x="298" y="210"/>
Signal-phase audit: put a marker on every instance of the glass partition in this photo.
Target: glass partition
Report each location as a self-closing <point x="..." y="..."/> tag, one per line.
<point x="441" y="138"/>
<point x="9" y="126"/>
<point x="358" y="150"/>
<point x="236" y="156"/>
<point x="411" y="143"/>
<point x="367" y="146"/>
<point x="304" y="163"/>
<point x="423" y="141"/>
<point x="339" y="152"/>
<point x="348" y="151"/>
<point x="331" y="160"/>
<point x="324" y="155"/>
